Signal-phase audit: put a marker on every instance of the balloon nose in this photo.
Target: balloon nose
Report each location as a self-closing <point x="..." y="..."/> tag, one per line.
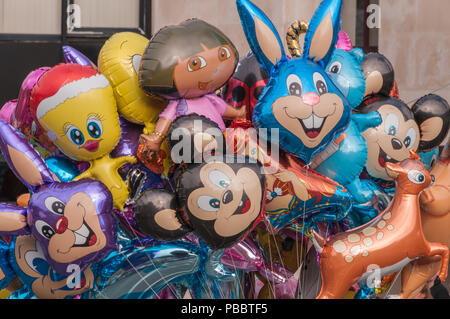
<point x="227" y="197"/>
<point x="396" y="144"/>
<point x="61" y="225"/>
<point x="311" y="99"/>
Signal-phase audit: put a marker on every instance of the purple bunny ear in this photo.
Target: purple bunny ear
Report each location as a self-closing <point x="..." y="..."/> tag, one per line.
<point x="13" y="220"/>
<point x="72" y="55"/>
<point x="21" y="157"/>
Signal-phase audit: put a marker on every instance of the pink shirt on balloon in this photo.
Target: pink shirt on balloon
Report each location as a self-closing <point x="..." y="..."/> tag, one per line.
<point x="210" y="106"/>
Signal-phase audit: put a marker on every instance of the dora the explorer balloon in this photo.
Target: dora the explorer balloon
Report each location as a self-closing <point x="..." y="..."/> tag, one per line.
<point x="76" y="107"/>
<point x="186" y="64"/>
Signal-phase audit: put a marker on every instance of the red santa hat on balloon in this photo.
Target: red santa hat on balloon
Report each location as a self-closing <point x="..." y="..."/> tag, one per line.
<point x="60" y="83"/>
<point x="63" y="82"/>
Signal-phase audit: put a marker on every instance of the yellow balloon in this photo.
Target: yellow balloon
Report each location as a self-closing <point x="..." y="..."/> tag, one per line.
<point x="119" y="60"/>
<point x="81" y="118"/>
<point x="4" y="294"/>
<point x="350" y="295"/>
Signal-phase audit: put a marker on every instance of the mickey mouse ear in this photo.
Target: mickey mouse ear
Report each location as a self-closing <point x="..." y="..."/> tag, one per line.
<point x="379" y="74"/>
<point x="192" y="137"/>
<point x="432" y="114"/>
<point x="156" y="215"/>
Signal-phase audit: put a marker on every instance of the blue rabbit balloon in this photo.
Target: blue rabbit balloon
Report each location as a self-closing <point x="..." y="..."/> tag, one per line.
<point x="300" y="100"/>
<point x="347" y="162"/>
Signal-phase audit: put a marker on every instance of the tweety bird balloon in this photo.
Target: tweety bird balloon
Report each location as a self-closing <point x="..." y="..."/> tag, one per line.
<point x="76" y="107"/>
<point x="119" y="61"/>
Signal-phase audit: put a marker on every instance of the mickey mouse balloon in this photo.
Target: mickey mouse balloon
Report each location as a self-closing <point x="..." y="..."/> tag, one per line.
<point x="219" y="201"/>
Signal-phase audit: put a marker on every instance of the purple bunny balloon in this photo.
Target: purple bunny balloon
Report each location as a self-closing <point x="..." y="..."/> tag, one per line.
<point x="72" y="55"/>
<point x="72" y="221"/>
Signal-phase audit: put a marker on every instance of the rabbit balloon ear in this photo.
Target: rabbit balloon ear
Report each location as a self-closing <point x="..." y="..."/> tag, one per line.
<point x="13" y="220"/>
<point x="23" y="160"/>
<point x="261" y="34"/>
<point x="323" y="30"/>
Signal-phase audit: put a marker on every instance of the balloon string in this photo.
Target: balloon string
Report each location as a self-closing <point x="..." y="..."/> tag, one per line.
<point x="101" y="293"/>
<point x="207" y="289"/>
<point x="280" y="256"/>
<point x="393" y="282"/>
<point x="272" y="287"/>
<point x="235" y="271"/>
<point x="157" y="269"/>
<point x="303" y="222"/>
<point x="140" y="275"/>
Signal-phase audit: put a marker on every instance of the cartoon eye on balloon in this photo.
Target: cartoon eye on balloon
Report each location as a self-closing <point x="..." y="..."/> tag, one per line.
<point x="220" y="199"/>
<point x="306" y="107"/>
<point x="403" y="129"/>
<point x="416" y="177"/>
<point x="67" y="116"/>
<point x="71" y="220"/>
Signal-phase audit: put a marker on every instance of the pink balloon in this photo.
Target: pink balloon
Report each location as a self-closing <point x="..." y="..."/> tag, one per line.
<point x="344" y="42"/>
<point x="24" y="122"/>
<point x="246" y="255"/>
<point x="7" y="111"/>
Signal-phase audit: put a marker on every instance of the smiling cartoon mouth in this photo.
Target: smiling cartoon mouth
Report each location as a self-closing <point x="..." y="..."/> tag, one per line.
<point x="244" y="206"/>
<point x="84" y="236"/>
<point x="383" y="158"/>
<point x="312" y="125"/>
<point x="91" y="145"/>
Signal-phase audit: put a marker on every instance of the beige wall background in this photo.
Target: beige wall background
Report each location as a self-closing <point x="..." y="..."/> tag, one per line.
<point x="414" y="34"/>
<point x="223" y="14"/>
<point x="415" y="37"/>
<point x="30" y="16"/>
<point x="44" y="16"/>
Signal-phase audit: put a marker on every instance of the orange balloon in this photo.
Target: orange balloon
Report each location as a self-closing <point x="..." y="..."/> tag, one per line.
<point x="387" y="243"/>
<point x="23" y="200"/>
<point x="434" y="202"/>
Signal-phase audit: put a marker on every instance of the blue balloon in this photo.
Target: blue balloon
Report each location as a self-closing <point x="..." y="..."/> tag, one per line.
<point x="350" y="155"/>
<point x="5" y="269"/>
<point x="301" y="108"/>
<point x="140" y="269"/>
<point x="28" y="262"/>
<point x="63" y="168"/>
<point x="142" y="273"/>
<point x="143" y="268"/>
<point x="363" y="213"/>
<point x="327" y="201"/>
<point x="430" y="158"/>
<point x="344" y="69"/>
<point x="347" y="163"/>
<point x="365" y="293"/>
